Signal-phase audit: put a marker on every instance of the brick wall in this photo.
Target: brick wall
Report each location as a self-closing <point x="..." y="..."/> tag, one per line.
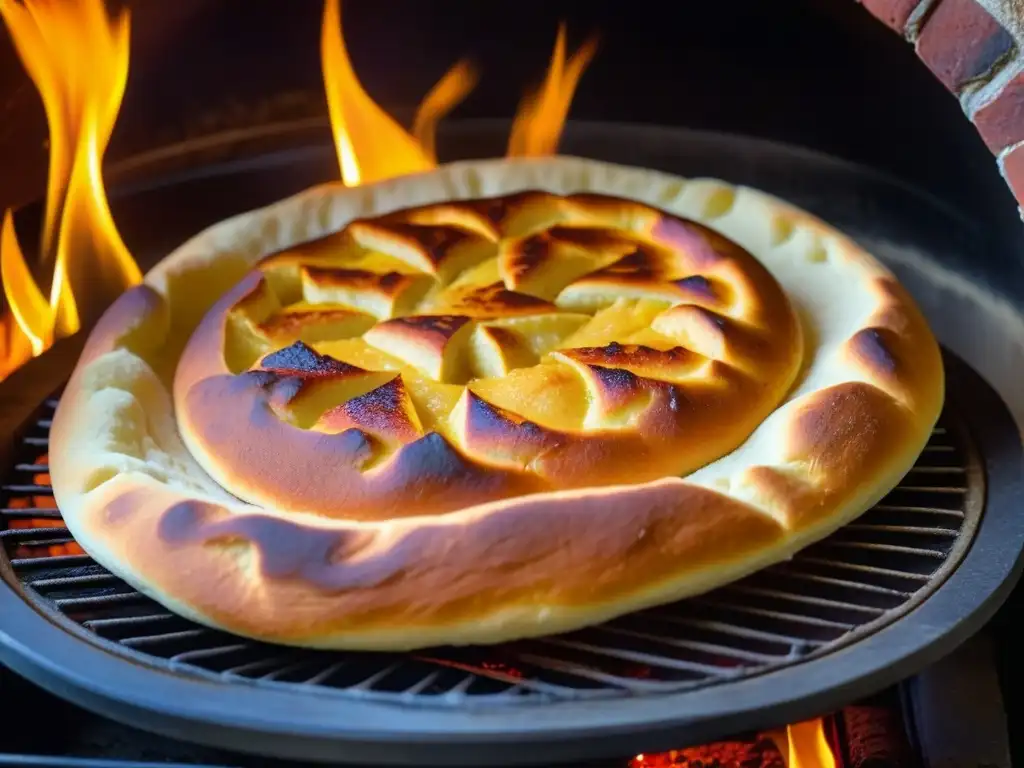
<point x="974" y="47"/>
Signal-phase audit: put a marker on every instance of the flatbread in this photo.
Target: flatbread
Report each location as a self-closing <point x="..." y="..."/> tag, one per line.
<point x="366" y="442"/>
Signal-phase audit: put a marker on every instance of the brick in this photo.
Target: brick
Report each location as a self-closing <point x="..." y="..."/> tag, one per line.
<point x="1001" y="121"/>
<point x="1013" y="170"/>
<point x="961" y="41"/>
<point x="892" y="13"/>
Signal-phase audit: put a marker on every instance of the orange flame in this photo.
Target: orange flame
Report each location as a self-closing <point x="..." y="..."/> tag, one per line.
<point x="15" y="346"/>
<point x="372" y="146"/>
<point x="28" y="305"/>
<point x="538" y="124"/>
<point x="451" y="89"/>
<point x="805" y="745"/>
<point x="77" y="56"/>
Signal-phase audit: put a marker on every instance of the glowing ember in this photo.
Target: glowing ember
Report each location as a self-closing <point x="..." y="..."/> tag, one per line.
<point x="90" y="264"/>
<point x="759" y="753"/>
<point x="52" y="545"/>
<point x="802" y="745"/>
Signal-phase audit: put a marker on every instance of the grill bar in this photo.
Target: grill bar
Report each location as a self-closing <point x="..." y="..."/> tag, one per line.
<point x="31" y="513"/>
<point x="864" y="575"/>
<point x="740" y="654"/>
<point x="33" y="488"/>
<point x="141" y="642"/>
<point x="785" y="616"/>
<point x="919" y="510"/>
<point x="895" y="549"/>
<point x="95" y="579"/>
<point x="865" y="569"/>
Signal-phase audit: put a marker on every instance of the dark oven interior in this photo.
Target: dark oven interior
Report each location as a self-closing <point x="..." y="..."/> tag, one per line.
<point x="224" y="112"/>
<point x="208" y="82"/>
<point x="817" y="73"/>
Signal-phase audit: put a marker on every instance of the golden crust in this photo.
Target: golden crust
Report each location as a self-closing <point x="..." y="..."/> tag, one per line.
<point x="486" y="527"/>
<point x="650" y="415"/>
<point x="512" y="559"/>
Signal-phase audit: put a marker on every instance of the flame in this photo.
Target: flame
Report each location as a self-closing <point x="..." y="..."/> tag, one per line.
<point x="538" y="124"/>
<point x="451" y="89"/>
<point x="90" y="263"/>
<point x="28" y="305"/>
<point x="805" y="745"/>
<point x="801" y="745"/>
<point x="77" y="57"/>
<point x="15" y="346"/>
<point x="372" y="146"/>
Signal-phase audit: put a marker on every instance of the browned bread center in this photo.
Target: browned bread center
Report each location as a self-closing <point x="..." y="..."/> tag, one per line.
<point x="451" y="354"/>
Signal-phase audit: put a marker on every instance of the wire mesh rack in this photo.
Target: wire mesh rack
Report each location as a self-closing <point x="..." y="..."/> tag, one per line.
<point x="861" y="578"/>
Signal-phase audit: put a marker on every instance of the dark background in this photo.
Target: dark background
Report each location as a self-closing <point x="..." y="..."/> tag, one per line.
<point x="821" y="73"/>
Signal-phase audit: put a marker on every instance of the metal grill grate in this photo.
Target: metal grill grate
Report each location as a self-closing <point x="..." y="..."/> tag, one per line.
<point x="866" y="575"/>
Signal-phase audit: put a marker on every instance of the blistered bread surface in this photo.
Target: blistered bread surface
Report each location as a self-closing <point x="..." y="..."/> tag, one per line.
<point x="497" y="400"/>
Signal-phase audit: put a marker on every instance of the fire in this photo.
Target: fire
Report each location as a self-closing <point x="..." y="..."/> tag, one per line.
<point x="77" y="57"/>
<point x="805" y="745"/>
<point x="29" y="308"/>
<point x="442" y="99"/>
<point x="372" y="146"/>
<point x="801" y="745"/>
<point x="538" y="124"/>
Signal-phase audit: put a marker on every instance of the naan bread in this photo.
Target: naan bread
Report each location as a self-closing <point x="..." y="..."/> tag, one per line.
<point x="497" y="400"/>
